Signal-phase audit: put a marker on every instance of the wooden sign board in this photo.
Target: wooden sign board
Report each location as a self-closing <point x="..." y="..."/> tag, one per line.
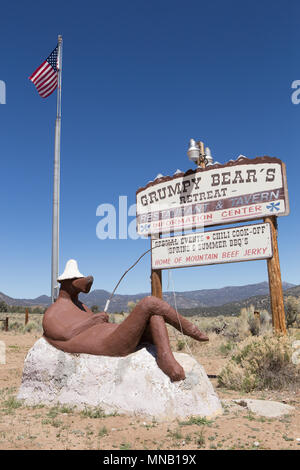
<point x="243" y="243"/>
<point x="240" y="190"/>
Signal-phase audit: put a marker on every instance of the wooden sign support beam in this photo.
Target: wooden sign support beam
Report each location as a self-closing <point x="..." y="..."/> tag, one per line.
<point x="156" y="282"/>
<point x="157" y="322"/>
<point x="275" y="284"/>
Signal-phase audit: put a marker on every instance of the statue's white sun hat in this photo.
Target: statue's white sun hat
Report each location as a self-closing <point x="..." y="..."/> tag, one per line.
<point x="71" y="271"/>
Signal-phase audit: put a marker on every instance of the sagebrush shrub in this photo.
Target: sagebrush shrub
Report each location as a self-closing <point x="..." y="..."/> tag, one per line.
<point x="247" y="324"/>
<point x="15" y="326"/>
<point x="292" y="311"/>
<point x="31" y="326"/>
<point x="261" y="362"/>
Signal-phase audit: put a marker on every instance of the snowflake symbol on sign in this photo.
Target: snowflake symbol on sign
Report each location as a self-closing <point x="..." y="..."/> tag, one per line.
<point x="273" y="207"/>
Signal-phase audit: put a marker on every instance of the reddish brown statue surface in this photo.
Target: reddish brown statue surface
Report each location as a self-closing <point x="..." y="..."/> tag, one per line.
<point x="71" y="326"/>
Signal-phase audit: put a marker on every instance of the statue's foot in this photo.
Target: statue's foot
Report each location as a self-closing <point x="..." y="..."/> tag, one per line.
<point x="202" y="337"/>
<point x="171" y="367"/>
<point x="198" y="335"/>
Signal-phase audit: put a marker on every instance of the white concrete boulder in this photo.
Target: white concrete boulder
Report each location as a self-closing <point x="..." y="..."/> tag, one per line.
<point x="132" y="385"/>
<point x="267" y="408"/>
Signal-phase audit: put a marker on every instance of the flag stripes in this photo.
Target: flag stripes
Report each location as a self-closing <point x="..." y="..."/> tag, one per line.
<point x="46" y="75"/>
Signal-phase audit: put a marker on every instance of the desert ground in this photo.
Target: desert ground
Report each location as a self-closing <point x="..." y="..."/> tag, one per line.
<point x="40" y="427"/>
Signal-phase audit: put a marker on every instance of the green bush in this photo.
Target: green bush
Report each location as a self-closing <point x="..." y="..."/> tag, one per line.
<point x="247" y="324"/>
<point x="3" y="306"/>
<point x="15" y="326"/>
<point x="131" y="305"/>
<point x="180" y="345"/>
<point x="292" y="311"/>
<point x="90" y="412"/>
<point x="31" y="326"/>
<point x="236" y="329"/>
<point x="258" y="363"/>
<point x="226" y="348"/>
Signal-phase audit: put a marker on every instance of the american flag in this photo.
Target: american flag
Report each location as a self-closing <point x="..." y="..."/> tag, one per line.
<point x="45" y="76"/>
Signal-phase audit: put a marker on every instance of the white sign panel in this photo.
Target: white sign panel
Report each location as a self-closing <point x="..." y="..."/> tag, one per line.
<point x="240" y="190"/>
<point x="244" y="243"/>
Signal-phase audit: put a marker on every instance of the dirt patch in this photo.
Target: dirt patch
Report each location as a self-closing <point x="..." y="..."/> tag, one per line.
<point x="62" y="428"/>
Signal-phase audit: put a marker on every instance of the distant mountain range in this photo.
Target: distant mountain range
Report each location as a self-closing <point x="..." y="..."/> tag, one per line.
<point x="260" y="302"/>
<point x="206" y="301"/>
<point x="42" y="300"/>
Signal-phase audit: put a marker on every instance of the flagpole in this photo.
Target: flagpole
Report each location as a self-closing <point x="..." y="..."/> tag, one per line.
<point x="56" y="181"/>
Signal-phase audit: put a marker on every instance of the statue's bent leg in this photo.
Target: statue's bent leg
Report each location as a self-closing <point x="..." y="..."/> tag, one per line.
<point x="127" y="336"/>
<point x="160" y="307"/>
<point x="162" y="312"/>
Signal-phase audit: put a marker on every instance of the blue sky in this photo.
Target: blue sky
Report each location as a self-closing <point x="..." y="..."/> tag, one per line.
<point x="140" y="79"/>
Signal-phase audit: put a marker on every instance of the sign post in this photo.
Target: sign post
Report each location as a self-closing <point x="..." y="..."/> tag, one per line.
<point x="156" y="278"/>
<point x="156" y="283"/>
<point x="275" y="284"/>
<point x="157" y="322"/>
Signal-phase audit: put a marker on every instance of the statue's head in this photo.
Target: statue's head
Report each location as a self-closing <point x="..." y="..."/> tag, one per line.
<point x="73" y="281"/>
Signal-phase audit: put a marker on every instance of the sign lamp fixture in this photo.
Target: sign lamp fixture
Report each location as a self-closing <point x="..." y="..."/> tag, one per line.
<point x="197" y="154"/>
